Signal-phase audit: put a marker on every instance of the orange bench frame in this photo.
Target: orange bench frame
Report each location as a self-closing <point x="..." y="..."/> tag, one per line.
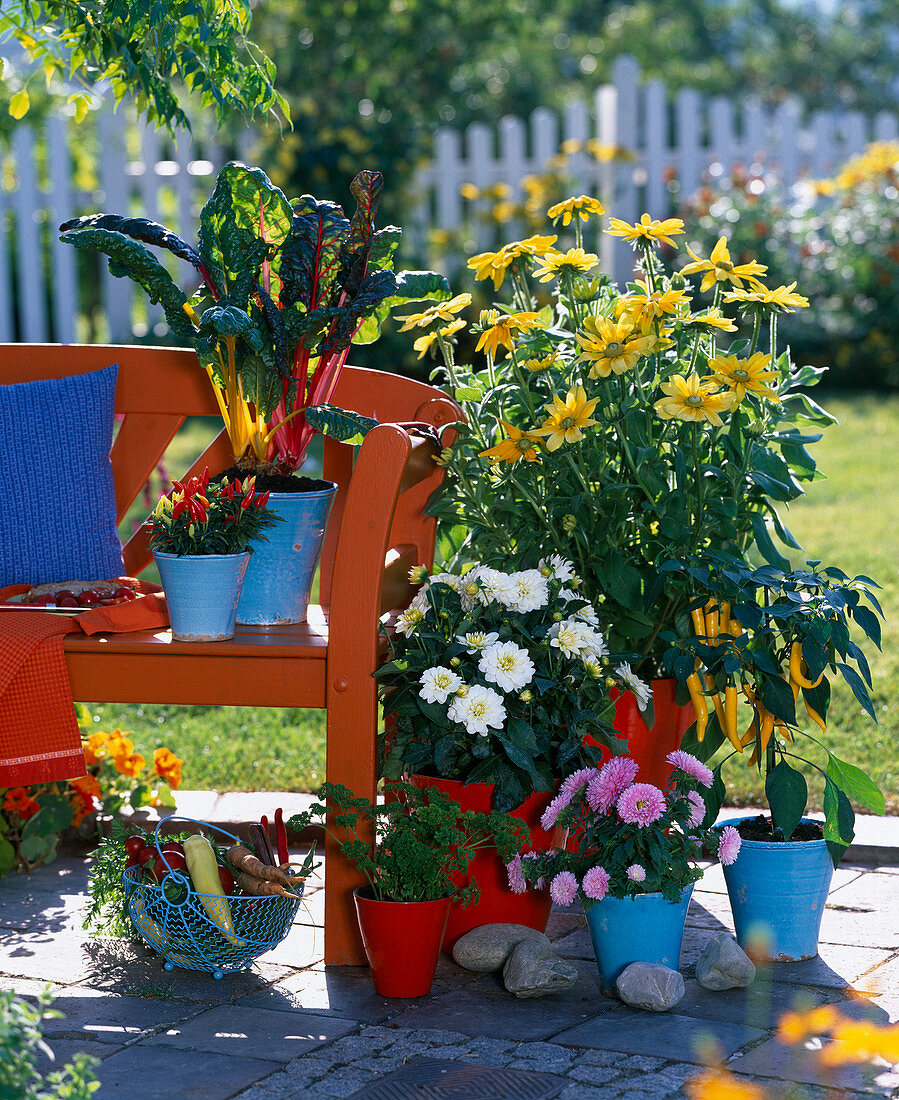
<point x="375" y="533"/>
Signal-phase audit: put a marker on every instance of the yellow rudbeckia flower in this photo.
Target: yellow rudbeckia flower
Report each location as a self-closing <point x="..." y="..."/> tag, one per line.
<point x="573" y="262"/>
<point x="711" y="318"/>
<point x="518" y="445"/>
<point x="426" y="342"/>
<point x="693" y="399"/>
<point x="567" y="418"/>
<point x="779" y="300"/>
<point x="582" y="206"/>
<point x="502" y="332"/>
<point x="647" y="305"/>
<point x="612" y="347"/>
<point x="720" y="268"/>
<point x="647" y="229"/>
<point x="442" y="311"/>
<point x="742" y="375"/>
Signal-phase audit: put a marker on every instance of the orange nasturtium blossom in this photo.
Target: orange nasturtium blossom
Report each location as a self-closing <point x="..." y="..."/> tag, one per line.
<point x="693" y="399"/>
<point x="745" y="375"/>
<point x="168" y="767"/>
<point x="647" y="229"/>
<point x="719" y="268"/>
<point x="516" y="446"/>
<point x="583" y="206"/>
<point x="573" y="262"/>
<point x="567" y="418"/>
<point x="501" y="332"/>
<point x="720" y="1084"/>
<point x="611" y="347"/>
<point x="118" y="744"/>
<point x="19" y="802"/>
<point x="87" y="795"/>
<point x="131" y="765"/>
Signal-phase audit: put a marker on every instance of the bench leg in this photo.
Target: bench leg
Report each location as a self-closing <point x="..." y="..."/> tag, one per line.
<point x="351" y="760"/>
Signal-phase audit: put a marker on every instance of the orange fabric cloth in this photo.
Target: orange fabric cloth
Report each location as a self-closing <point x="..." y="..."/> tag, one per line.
<point x="39" y="738"/>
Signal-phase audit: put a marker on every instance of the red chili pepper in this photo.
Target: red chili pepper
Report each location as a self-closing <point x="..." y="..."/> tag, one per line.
<point x="281" y="836"/>
<point x="230" y="490"/>
<point x="262" y="499"/>
<point x="180" y="506"/>
<point x="197" y="511"/>
<point x="204" y="480"/>
<point x="248" y="499"/>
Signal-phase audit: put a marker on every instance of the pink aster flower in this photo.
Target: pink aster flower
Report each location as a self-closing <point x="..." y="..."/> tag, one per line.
<point x="636" y="873"/>
<point x="595" y="883"/>
<point x="609" y="782"/>
<point x="697" y="814"/>
<point x="563" y="888"/>
<point x="517" y="882"/>
<point x="552" y="811"/>
<point x="641" y="804"/>
<point x="729" y="845"/>
<point x="688" y="764"/>
<point x="575" y="781"/>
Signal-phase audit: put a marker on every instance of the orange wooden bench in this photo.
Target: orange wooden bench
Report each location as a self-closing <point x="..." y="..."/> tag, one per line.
<point x="375" y="533"/>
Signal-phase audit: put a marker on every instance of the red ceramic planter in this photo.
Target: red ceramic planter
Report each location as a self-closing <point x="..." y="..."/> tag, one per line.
<point x="497" y="903"/>
<point x="402" y="942"/>
<point x="649" y="747"/>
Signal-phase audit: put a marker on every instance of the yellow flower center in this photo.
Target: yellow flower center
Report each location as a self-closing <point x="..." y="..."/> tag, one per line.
<point x="694" y="399"/>
<point x="741" y="375"/>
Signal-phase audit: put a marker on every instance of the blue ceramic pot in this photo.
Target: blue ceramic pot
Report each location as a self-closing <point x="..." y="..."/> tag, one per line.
<point x="646" y="928"/>
<point x="279" y="579"/>
<point x="777" y="896"/>
<point x="201" y="592"/>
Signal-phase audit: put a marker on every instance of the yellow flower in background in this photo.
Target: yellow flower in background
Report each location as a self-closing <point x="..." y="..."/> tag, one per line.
<point x="573" y="262"/>
<point x="503" y="212"/>
<point x="130" y="765"/>
<point x="711" y="318"/>
<point x="612" y="347"/>
<point x="502" y="332"/>
<point x="742" y="375"/>
<point x="582" y="206"/>
<point x="537" y="366"/>
<point x="567" y="418"/>
<point x="720" y="268"/>
<point x="469" y="191"/>
<point x="516" y="446"/>
<point x="646" y="306"/>
<point x="693" y="399"/>
<point x="424" y="343"/>
<point x="781" y="299"/>
<point x="442" y="311"/>
<point x="530" y="246"/>
<point x="647" y="229"/>
<point x="494" y="265"/>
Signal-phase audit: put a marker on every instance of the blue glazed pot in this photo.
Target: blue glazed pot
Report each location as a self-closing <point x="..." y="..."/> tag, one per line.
<point x="646" y="928"/>
<point x="279" y="578"/>
<point x="201" y="593"/>
<point x="777" y="896"/>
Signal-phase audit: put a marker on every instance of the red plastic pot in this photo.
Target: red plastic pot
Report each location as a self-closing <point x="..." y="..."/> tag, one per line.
<point x="649" y="747"/>
<point x="402" y="941"/>
<point x="497" y="903"/>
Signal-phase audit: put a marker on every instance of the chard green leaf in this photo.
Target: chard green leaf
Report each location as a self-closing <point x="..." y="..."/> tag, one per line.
<point x="342" y="424"/>
<point x="138" y="229"/>
<point x="310" y="256"/>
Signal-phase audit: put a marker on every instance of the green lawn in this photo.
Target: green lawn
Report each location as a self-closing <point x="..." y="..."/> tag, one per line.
<point x="850" y="520"/>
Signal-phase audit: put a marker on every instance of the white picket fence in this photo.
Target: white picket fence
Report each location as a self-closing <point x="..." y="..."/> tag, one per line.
<point x="47" y="289"/>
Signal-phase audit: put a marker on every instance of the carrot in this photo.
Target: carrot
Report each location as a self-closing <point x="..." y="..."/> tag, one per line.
<point x="243" y="860"/>
<point x="259" y="888"/>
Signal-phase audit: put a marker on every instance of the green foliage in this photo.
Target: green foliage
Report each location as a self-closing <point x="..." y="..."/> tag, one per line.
<point x="107" y="912"/>
<point x="348" y="427"/>
<point x="155" y="53"/>
<point x="422" y="839"/>
<point x="21" y="1043"/>
<point x="794" y="628"/>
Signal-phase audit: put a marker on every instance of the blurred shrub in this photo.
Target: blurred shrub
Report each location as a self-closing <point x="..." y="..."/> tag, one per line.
<point x="839" y="240"/>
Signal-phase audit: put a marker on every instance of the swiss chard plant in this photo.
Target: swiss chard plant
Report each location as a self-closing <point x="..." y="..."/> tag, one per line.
<point x="285" y="288"/>
<point x="772" y="641"/>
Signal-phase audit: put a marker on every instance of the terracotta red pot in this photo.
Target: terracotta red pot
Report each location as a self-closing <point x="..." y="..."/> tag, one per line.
<point x="402" y="942"/>
<point x="649" y="747"/>
<point x="497" y="903"/>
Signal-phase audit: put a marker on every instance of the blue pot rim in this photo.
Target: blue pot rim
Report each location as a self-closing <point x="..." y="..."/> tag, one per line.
<point x="306" y="495"/>
<point x="777" y="845"/>
<point x="200" y="557"/>
<point x="656" y="895"/>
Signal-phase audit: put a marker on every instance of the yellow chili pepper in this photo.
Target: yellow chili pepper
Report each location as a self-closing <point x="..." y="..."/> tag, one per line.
<point x="730" y="716"/>
<point x="814" y="715"/>
<point x="783" y="731"/>
<point x="698" y="622"/>
<point x="711" y="622"/>
<point x="797" y="664"/>
<point x="694" y="686"/>
<point x="719" y="708"/>
<point x="724" y="619"/>
<point x="767" y="726"/>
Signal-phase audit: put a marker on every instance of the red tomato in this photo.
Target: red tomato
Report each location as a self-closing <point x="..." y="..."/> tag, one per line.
<point x="67" y="601"/>
<point x="124" y="594"/>
<point x="134" y="845"/>
<point x="227" y="880"/>
<point x="65" y="592"/>
<point x="88" y="597"/>
<point x="175" y="860"/>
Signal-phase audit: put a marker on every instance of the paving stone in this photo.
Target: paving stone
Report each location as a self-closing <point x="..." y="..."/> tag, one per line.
<point x="870" y="890"/>
<point x="759" y="1005"/>
<point x="145" y="1072"/>
<point x="790" y="1063"/>
<point x="276" y="1036"/>
<point x="58" y="957"/>
<point x="42" y="913"/>
<point x="64" y="1050"/>
<point x="26" y="987"/>
<point x="547" y="1057"/>
<point x="298" y="949"/>
<point x="345" y="1082"/>
<point x="640" y="1033"/>
<point x="580" y="1092"/>
<point x="345" y="991"/>
<point x="600" y="1057"/>
<point x="89" y="1014"/>
<point x="596" y="1076"/>
<point x="835" y="966"/>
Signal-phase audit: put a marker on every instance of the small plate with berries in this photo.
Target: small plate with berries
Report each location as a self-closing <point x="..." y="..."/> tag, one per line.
<point x="73" y="597"/>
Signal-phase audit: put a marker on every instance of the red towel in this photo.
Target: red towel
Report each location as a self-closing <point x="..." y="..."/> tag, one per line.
<point x="39" y="738"/>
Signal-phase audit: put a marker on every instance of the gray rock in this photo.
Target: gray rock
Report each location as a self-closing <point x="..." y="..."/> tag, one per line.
<point x="486" y="948"/>
<point x="723" y="964"/>
<point x="535" y="970"/>
<point x="650" y="986"/>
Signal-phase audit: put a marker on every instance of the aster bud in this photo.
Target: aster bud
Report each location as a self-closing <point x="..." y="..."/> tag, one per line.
<point x="455" y="662"/>
<point x="569" y="523"/>
<point x="610" y="682"/>
<point x="418" y="574"/>
<point x="526" y="696"/>
<point x="462" y="690"/>
<point x="545" y="571"/>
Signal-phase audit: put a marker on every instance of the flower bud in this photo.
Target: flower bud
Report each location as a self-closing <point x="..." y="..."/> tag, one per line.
<point x="418" y="574"/>
<point x="558" y="616"/>
<point x="455" y="662"/>
<point x="462" y="690"/>
<point x="754" y="429"/>
<point x="677" y="281"/>
<point x="569" y="523"/>
<point x="610" y="682"/>
<point x="445" y="457"/>
<point x="612" y="411"/>
<point x="488" y="317"/>
<point x="526" y="696"/>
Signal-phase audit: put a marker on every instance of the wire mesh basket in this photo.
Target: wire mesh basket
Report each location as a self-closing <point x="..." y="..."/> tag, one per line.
<point x="204" y="931"/>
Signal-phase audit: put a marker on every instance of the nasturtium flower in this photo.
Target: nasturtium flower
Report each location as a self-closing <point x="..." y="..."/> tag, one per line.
<point x="441" y="311"/>
<point x="424" y="343"/>
<point x="19" y="802"/>
<point x="582" y="206"/>
<point x="131" y="765"/>
<point x="779" y="300"/>
<point x="693" y="399"/>
<point x="567" y="418"/>
<point x="573" y="262"/>
<point x="610" y="346"/>
<point x="647" y="229"/>
<point x="745" y="375"/>
<point x="515" y="446"/>
<point x="168" y="766"/>
<point x="502" y="332"/>
<point x="719" y="268"/>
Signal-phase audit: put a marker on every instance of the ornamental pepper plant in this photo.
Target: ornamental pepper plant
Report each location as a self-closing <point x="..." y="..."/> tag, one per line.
<point x="627" y="837"/>
<point x="203" y="517"/>
<point x="621" y="427"/>
<point x="285" y="288"/>
<point x="759" y="661"/>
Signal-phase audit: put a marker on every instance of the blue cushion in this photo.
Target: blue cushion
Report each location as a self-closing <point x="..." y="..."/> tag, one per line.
<point x="58" y="518"/>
